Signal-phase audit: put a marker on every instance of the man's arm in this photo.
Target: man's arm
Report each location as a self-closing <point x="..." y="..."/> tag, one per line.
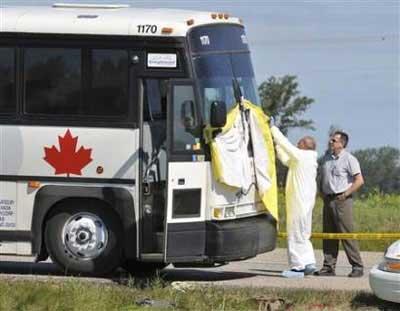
<point x="282" y="155"/>
<point x="358" y="179"/>
<point x="281" y="141"/>
<point x="357" y="183"/>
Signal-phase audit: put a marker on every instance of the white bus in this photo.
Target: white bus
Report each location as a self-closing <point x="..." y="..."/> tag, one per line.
<point x="102" y="159"/>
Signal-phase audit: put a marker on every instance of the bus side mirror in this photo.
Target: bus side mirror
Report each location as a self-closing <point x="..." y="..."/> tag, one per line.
<point x="187" y="115"/>
<point x="218" y="114"/>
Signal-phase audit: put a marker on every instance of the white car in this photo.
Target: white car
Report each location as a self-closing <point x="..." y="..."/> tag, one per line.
<point x="384" y="278"/>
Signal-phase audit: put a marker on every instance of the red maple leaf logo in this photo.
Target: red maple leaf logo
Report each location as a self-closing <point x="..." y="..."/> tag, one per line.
<point x="67" y="160"/>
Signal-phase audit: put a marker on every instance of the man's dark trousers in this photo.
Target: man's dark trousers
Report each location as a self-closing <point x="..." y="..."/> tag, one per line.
<point x="338" y="218"/>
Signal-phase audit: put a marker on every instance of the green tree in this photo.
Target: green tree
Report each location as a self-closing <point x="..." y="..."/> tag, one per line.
<point x="380" y="168"/>
<point x="281" y="98"/>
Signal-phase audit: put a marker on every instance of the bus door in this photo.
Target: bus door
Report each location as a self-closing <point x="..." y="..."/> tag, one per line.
<point x="153" y="167"/>
<point x="187" y="177"/>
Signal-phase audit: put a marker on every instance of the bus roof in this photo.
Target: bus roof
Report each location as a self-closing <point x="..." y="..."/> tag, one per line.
<point x="105" y="20"/>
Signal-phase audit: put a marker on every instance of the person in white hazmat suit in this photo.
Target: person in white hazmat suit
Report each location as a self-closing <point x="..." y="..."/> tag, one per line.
<point x="301" y="190"/>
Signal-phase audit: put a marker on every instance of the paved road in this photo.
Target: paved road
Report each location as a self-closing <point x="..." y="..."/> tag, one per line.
<point x="265" y="271"/>
<point x="262" y="271"/>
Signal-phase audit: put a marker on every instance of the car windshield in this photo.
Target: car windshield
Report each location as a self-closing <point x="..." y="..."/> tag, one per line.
<point x="221" y="55"/>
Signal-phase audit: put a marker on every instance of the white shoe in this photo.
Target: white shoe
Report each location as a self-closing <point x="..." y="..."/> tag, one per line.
<point x="310" y="269"/>
<point x="293" y="274"/>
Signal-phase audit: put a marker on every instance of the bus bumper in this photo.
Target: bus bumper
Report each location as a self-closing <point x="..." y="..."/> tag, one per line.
<point x="240" y="239"/>
<point x="220" y="241"/>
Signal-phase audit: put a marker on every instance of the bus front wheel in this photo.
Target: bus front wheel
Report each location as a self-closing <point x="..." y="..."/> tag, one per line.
<point x="84" y="240"/>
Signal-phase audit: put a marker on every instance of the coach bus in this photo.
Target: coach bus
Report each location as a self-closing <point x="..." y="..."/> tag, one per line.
<point x="102" y="157"/>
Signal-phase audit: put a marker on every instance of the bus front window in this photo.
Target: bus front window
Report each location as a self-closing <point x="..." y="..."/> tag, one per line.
<point x="221" y="54"/>
<point x="215" y="74"/>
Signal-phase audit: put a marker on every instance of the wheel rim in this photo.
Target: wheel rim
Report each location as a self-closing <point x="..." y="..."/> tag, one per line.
<point x="85" y="236"/>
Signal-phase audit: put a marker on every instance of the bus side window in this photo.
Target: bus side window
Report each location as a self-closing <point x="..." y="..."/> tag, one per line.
<point x="58" y="81"/>
<point x="7" y="81"/>
<point x="185" y="132"/>
<point x="109" y="88"/>
<point x="53" y="81"/>
<point x="155" y="100"/>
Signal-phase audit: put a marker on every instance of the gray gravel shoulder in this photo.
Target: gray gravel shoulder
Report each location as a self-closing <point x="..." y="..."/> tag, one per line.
<point x="265" y="271"/>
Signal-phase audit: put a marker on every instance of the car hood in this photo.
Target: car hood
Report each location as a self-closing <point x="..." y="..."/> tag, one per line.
<point x="393" y="252"/>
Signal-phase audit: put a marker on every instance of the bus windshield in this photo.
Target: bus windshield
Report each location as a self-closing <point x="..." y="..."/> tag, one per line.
<point x="220" y="55"/>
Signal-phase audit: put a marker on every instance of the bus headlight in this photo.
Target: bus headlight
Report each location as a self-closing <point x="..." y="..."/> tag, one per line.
<point x="229" y="212"/>
<point x="218" y="213"/>
<point x="224" y="212"/>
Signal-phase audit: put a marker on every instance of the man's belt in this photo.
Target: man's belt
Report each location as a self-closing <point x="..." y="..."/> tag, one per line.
<point x="333" y="196"/>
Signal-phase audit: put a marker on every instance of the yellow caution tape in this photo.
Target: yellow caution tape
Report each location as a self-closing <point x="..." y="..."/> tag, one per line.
<point x="350" y="236"/>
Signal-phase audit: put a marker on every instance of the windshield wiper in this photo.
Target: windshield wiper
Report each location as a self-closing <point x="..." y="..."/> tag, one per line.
<point x="237" y="92"/>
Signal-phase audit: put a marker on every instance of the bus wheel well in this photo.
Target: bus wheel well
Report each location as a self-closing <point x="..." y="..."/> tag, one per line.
<point x="74" y="201"/>
<point x="52" y="198"/>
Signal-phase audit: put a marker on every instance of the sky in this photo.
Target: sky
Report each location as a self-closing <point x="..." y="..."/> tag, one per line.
<point x="345" y="54"/>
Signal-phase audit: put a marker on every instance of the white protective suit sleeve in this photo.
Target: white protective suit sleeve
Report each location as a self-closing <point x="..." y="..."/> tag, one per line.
<point x="282" y="155"/>
<point x="293" y="152"/>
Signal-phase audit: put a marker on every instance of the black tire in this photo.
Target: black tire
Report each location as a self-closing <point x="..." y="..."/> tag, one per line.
<point x="109" y="256"/>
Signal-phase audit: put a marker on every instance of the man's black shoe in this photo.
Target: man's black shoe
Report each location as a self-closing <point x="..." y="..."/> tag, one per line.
<point x="325" y="272"/>
<point x="356" y="273"/>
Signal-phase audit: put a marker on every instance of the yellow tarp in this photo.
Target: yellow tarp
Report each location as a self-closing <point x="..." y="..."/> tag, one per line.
<point x="268" y="195"/>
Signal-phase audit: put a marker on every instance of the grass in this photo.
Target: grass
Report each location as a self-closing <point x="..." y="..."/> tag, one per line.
<point x="77" y="295"/>
<point x="374" y="212"/>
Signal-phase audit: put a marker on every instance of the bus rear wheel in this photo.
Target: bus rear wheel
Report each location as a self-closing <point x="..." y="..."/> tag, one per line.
<point x="84" y="240"/>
